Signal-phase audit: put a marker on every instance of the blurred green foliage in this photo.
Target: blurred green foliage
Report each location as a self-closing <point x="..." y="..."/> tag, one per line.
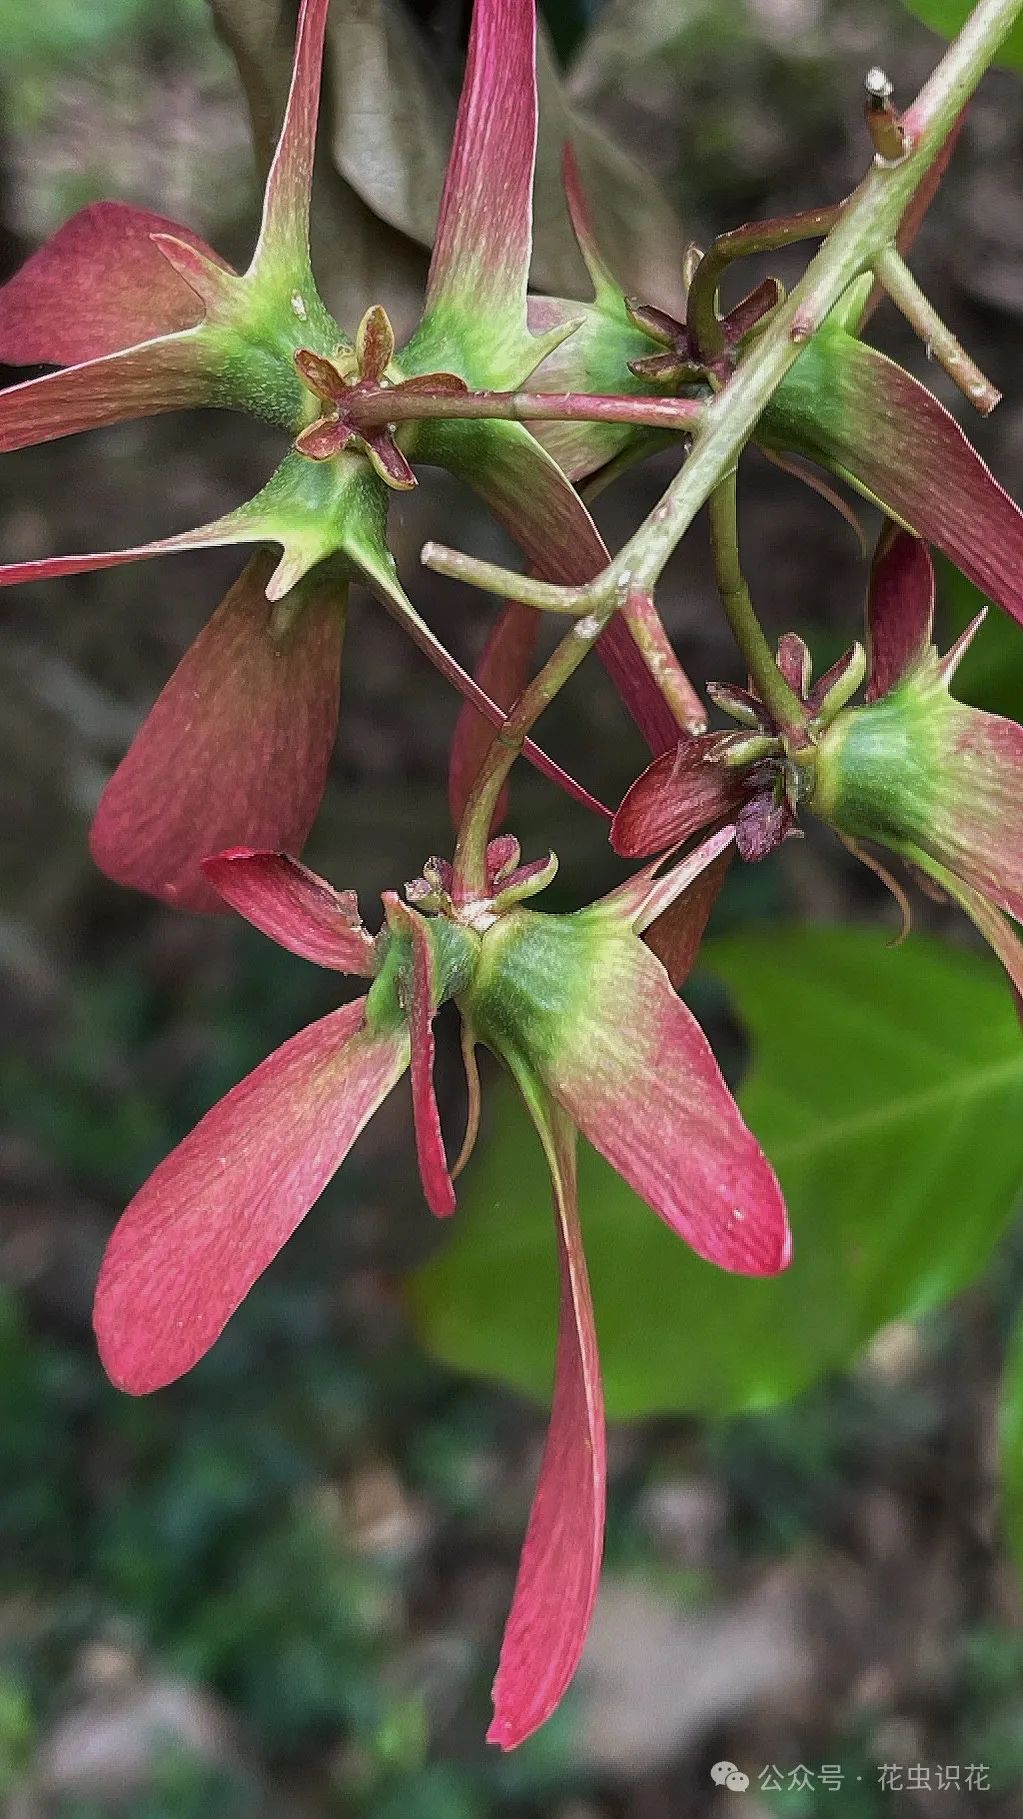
<point x="568" y="21"/>
<point x="991" y="673"/>
<point x="786" y="1468"/>
<point x="947" y="16"/>
<point x="989" y="1703"/>
<point x="887" y="1089"/>
<point x="49" y="34"/>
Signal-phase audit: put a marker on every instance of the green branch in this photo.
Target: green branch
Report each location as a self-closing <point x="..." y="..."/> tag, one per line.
<point x="866" y="227"/>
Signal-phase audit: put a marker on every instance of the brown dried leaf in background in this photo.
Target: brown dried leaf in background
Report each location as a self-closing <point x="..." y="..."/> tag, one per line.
<point x="259" y="34"/>
<point x="638" y="232"/>
<point x="393" y="114"/>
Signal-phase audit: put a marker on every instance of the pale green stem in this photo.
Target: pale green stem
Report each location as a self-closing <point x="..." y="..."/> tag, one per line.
<point x="469" y="871"/>
<point x="490" y="578"/>
<point x="643" y="619"/>
<point x="654" y="646"/>
<point x="867" y="225"/>
<point x="782" y="702"/>
<point x="895" y="277"/>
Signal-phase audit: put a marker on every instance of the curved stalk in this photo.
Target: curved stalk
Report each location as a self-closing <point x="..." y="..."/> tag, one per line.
<point x="742" y="243"/>
<point x="781" y="701"/>
<point x="469" y="868"/>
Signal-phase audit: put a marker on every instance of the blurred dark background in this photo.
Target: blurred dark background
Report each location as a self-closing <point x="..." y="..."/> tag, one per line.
<point x="278" y="1588"/>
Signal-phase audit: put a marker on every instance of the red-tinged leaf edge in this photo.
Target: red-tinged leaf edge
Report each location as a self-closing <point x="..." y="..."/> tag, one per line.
<point x="421" y="998"/>
<point x="215" y="1213"/>
<point x="235" y="750"/>
<point x="900" y="608"/>
<point x="680" y="794"/>
<point x="99" y="285"/>
<point x="559" y="1569"/>
<point x="474" y="317"/>
<point x="284" y="233"/>
<point x="294" y="907"/>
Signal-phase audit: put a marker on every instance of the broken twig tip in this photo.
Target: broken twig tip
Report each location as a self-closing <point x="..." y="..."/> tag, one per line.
<point x="883" y="124"/>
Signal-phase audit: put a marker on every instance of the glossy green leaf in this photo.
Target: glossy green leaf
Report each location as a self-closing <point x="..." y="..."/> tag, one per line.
<point x="947" y="16"/>
<point x="1010" y="1438"/>
<point x="886" y="1085"/>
